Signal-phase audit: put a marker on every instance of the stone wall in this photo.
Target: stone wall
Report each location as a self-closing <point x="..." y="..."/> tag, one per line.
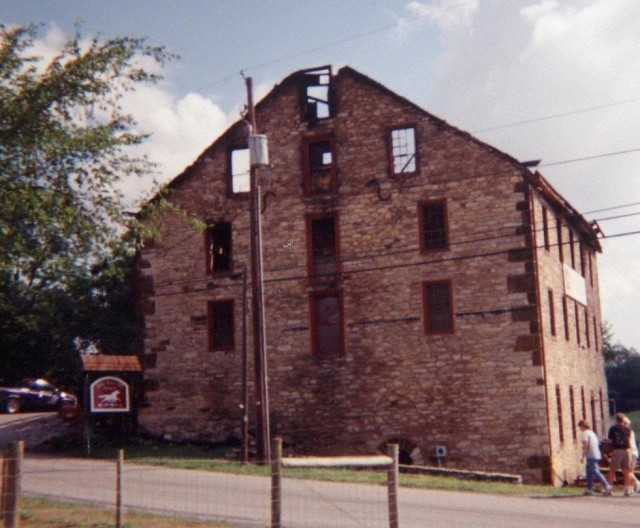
<point x="486" y="392"/>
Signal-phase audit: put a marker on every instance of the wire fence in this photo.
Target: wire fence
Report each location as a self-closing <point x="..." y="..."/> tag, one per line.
<point x="233" y="499"/>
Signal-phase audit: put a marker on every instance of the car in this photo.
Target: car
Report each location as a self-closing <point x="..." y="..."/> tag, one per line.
<point x="34" y="395"/>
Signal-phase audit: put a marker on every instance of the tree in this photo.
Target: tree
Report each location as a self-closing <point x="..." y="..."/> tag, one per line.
<point x="64" y="146"/>
<point x="622" y="368"/>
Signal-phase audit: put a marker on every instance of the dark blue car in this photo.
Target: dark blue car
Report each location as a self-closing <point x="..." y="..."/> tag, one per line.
<point x="33" y="395"/>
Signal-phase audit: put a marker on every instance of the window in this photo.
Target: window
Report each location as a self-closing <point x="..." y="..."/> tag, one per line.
<point x="586" y="327"/>
<point x="572" y="401"/>
<point x="559" y="407"/>
<point x="327" y="332"/>
<point x="560" y="242"/>
<point x="438" y="307"/>
<point x="584" y="403"/>
<point x="576" y="310"/>
<point x="221" y="330"/>
<point x="565" y="313"/>
<point x="317" y="96"/>
<point x="218" y="247"/>
<point x="322" y="242"/>
<point x="433" y="225"/>
<point x="240" y="170"/>
<point x="319" y="166"/>
<point x="552" y="314"/>
<point x="545" y="228"/>
<point x="402" y="151"/>
<point x="595" y="333"/>
<point x="572" y="249"/>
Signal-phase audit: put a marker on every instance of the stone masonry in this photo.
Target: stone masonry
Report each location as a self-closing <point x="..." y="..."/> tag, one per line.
<point x="502" y="390"/>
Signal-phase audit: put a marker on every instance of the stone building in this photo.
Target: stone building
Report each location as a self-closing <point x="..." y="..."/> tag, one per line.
<point x="420" y="287"/>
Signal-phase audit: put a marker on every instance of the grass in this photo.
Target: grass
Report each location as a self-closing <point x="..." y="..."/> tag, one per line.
<point x="143" y="451"/>
<point x="45" y="513"/>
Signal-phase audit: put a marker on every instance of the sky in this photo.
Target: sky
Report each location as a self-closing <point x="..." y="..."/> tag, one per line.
<point x="550" y="80"/>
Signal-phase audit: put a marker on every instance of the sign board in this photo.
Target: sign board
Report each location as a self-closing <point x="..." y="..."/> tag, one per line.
<point x="574" y="285"/>
<point x="108" y="395"/>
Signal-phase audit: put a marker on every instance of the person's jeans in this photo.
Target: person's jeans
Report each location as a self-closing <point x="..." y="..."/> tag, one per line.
<point x="593" y="471"/>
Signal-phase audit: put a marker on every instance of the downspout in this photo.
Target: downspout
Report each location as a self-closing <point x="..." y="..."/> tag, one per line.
<point x="534" y="248"/>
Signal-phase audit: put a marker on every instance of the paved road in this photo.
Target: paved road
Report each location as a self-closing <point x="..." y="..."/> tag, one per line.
<point x="33" y="428"/>
<point x="245" y="501"/>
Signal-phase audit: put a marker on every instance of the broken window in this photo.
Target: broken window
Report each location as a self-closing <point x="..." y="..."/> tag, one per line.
<point x="327" y="324"/>
<point x="438" y="307"/>
<point x="218" y="247"/>
<point x="323" y="246"/>
<point x="402" y="148"/>
<point x="319" y="166"/>
<point x="240" y="170"/>
<point x="317" y="94"/>
<point x="221" y="328"/>
<point x="433" y="225"/>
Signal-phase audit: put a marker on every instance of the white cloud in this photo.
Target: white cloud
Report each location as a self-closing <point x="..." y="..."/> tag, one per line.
<point x="446" y="14"/>
<point x="533" y="59"/>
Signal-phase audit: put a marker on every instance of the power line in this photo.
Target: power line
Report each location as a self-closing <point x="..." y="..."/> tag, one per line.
<point x="555" y="116"/>
<point x="596" y="156"/>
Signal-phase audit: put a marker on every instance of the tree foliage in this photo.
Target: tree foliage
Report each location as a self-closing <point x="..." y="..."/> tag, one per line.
<point x="65" y="145"/>
<point x="622" y="367"/>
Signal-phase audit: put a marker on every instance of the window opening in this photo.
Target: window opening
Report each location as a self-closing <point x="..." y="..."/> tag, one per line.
<point x="438" y="309"/>
<point x="221" y="327"/>
<point x="317" y="94"/>
<point x="565" y="313"/>
<point x="327" y="324"/>
<point x="218" y="247"/>
<point x="572" y="250"/>
<point x="584" y="403"/>
<point x="552" y="313"/>
<point x="433" y="226"/>
<point x="572" y="401"/>
<point x="576" y="310"/>
<point x="586" y="327"/>
<point x="320" y="167"/>
<point x="595" y="334"/>
<point x="545" y="228"/>
<point x="403" y="150"/>
<point x="559" y="233"/>
<point x="240" y="171"/>
<point x="324" y="248"/>
<point x="559" y="407"/>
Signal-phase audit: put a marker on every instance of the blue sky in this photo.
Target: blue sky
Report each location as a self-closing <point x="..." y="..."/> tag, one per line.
<point x="538" y="79"/>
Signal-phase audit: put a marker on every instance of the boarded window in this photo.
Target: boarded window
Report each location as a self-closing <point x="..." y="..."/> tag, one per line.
<point x="402" y="150"/>
<point x="319" y="167"/>
<point x="240" y="170"/>
<point x="218" y="247"/>
<point x="323" y="245"/>
<point x="327" y="324"/>
<point x="433" y="225"/>
<point x="438" y="307"/>
<point x="221" y="328"/>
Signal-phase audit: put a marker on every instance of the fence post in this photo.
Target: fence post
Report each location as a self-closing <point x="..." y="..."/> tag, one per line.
<point x="392" y="484"/>
<point x="276" y="482"/>
<point x="11" y="485"/>
<point x="119" y="488"/>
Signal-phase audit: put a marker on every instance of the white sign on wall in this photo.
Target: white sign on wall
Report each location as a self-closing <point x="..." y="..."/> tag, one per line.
<point x="574" y="285"/>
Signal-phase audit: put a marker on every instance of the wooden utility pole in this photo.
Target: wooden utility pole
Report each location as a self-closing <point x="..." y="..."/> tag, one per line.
<point x="257" y="298"/>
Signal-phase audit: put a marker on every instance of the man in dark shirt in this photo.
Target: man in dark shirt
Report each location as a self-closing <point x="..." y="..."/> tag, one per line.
<point x="619" y="435"/>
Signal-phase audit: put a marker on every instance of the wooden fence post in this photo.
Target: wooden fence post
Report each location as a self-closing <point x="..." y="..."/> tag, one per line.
<point x="119" y="488"/>
<point x="276" y="483"/>
<point x="392" y="483"/>
<point x="12" y="485"/>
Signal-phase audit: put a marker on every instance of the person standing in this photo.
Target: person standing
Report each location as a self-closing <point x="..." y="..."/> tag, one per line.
<point x="634" y="456"/>
<point x="620" y="437"/>
<point x="591" y="453"/>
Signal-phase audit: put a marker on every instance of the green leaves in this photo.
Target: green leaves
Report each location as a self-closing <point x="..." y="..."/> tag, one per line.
<point x="64" y="148"/>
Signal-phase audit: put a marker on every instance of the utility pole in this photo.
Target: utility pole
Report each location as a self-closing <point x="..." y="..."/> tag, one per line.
<point x="257" y="293"/>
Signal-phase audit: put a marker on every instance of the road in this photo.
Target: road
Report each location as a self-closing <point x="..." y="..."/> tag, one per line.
<point x="33" y="428"/>
<point x="245" y="500"/>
